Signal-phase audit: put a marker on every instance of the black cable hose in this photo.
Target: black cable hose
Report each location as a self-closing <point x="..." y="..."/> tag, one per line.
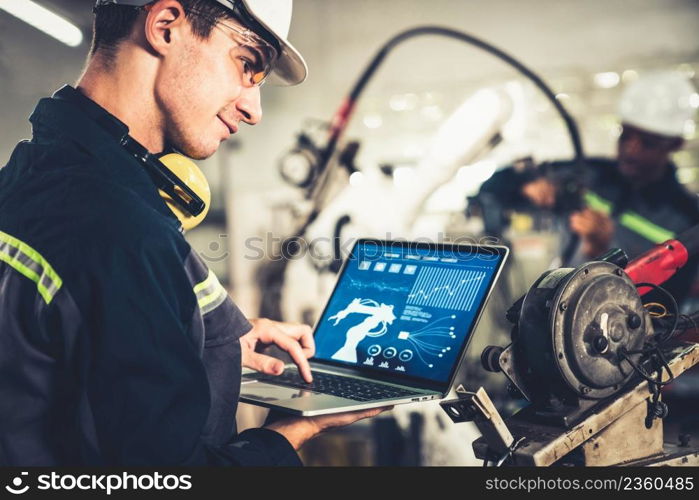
<point x="673" y="302"/>
<point x="653" y="348"/>
<point x="470" y="39"/>
<point x="688" y="321"/>
<point x="348" y="105"/>
<point x="625" y="355"/>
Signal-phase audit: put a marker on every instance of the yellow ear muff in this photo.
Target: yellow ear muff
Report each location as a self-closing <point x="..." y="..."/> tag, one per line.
<point x="188" y="173"/>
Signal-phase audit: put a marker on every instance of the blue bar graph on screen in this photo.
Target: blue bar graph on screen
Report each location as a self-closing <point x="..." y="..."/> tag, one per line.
<point x="446" y="288"/>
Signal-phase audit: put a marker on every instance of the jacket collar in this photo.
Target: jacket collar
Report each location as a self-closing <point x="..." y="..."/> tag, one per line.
<point x="71" y="116"/>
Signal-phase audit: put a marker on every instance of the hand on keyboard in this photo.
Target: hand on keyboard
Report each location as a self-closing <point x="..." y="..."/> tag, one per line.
<point x="296" y="339"/>
<point x="336" y="385"/>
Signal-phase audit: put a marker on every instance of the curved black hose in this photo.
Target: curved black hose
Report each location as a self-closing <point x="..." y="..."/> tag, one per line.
<point x="625" y="355"/>
<point x="652" y="348"/>
<point x="689" y="321"/>
<point x="465" y="37"/>
<point x="668" y="334"/>
<point x="343" y="114"/>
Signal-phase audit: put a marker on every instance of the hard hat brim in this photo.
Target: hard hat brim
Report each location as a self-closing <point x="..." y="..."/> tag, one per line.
<point x="290" y="67"/>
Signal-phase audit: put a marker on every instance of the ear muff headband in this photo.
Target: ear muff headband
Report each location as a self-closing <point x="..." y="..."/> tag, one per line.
<point x="192" y="177"/>
<point x="164" y="178"/>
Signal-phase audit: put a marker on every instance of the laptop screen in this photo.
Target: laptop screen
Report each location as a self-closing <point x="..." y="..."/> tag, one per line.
<point x="405" y="308"/>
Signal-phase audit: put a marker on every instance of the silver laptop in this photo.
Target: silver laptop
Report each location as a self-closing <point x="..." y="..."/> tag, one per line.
<point x="393" y="331"/>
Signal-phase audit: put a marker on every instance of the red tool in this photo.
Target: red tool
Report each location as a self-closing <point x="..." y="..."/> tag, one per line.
<point x="660" y="263"/>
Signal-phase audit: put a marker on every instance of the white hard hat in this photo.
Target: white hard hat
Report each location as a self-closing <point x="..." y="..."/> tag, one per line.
<point x="662" y="102"/>
<point x="273" y="18"/>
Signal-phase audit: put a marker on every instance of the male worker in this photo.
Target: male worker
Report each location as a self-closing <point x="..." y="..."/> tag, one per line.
<point x="635" y="201"/>
<point x="117" y="344"/>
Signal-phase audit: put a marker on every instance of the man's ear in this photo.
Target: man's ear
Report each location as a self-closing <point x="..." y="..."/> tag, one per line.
<point x="164" y="24"/>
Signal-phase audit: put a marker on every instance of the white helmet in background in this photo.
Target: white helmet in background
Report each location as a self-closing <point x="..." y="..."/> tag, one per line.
<point x="269" y="19"/>
<point x="661" y="102"/>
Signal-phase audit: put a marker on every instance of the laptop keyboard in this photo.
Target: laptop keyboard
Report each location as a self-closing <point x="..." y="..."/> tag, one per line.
<point x="336" y="385"/>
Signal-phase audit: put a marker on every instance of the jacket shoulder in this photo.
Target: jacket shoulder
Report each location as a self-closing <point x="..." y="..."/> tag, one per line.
<point x="77" y="219"/>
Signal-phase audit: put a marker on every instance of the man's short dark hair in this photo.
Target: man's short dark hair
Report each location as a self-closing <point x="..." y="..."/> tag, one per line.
<point x="113" y="23"/>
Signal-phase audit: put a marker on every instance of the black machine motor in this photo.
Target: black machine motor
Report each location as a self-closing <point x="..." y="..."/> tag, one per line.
<point x="575" y="334"/>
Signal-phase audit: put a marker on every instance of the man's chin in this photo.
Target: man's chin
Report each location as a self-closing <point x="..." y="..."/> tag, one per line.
<point x="201" y="156"/>
<point x="634" y="176"/>
<point x="199" y="153"/>
<point x="630" y="170"/>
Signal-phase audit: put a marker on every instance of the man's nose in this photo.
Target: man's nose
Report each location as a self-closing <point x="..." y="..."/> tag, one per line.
<point x="632" y="144"/>
<point x="249" y="105"/>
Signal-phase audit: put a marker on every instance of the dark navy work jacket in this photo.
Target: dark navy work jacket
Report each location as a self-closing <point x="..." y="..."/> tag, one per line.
<point x="117" y="345"/>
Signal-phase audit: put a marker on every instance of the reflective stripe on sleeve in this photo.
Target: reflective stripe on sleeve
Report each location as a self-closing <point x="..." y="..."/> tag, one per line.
<point x="630" y="220"/>
<point x="645" y="228"/>
<point x="596" y="202"/>
<point x="28" y="262"/>
<point x="210" y="293"/>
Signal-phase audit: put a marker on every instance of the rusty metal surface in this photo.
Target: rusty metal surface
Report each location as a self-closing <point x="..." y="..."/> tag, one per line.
<point x="509" y="366"/>
<point x="673" y="456"/>
<point x="625" y="439"/>
<point x="491" y="424"/>
<point x="545" y="445"/>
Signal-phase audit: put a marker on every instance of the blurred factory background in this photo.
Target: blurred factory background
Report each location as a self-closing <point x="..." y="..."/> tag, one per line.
<point x="587" y="52"/>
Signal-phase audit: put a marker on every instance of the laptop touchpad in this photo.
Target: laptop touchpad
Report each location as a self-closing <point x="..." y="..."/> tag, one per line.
<point x="266" y="392"/>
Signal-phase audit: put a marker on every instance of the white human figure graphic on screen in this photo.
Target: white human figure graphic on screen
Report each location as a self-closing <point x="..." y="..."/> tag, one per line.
<point x="377" y="314"/>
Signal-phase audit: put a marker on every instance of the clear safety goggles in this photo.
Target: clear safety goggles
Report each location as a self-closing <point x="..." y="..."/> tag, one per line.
<point x="252" y="52"/>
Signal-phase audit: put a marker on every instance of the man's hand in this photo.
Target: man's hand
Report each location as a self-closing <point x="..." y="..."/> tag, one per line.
<point x="540" y="192"/>
<point x="298" y="430"/>
<point x="294" y="338"/>
<point x="595" y="229"/>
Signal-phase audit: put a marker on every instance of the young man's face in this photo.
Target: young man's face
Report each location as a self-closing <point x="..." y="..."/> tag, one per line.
<point x="203" y="95"/>
<point x="643" y="156"/>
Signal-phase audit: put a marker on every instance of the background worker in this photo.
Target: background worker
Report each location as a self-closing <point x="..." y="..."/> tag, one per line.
<point x="634" y="201"/>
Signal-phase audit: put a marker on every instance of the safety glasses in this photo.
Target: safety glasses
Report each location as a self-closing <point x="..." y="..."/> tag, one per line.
<point x="255" y="55"/>
<point x="647" y="140"/>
